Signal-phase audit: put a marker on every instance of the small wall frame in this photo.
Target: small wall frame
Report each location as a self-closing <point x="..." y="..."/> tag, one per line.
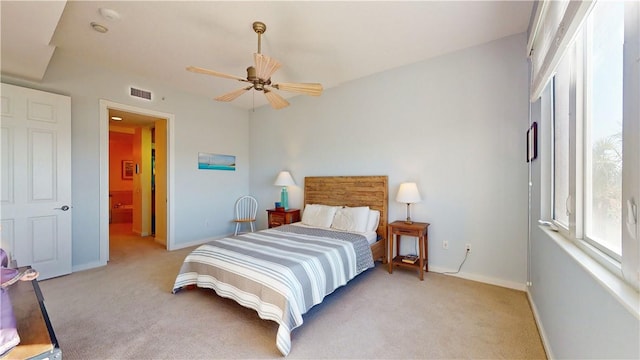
<point x="532" y="142"/>
<point x="127" y="170"/>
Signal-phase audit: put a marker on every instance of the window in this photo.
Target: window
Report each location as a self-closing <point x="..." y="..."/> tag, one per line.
<point x="560" y="186"/>
<point x="603" y="55"/>
<point x="592" y="129"/>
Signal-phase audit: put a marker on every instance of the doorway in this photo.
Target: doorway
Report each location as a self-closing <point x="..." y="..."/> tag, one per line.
<point x="131" y="175"/>
<point x="135" y="180"/>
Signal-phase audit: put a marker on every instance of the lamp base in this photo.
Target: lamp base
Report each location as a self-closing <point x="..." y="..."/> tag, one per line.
<point x="284" y="198"/>
<point x="408" y="221"/>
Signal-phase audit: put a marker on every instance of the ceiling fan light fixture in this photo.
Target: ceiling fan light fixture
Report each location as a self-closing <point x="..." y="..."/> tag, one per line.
<point x="251" y="74"/>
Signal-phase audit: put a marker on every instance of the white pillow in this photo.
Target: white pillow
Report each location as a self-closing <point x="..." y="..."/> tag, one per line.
<point x="318" y="215"/>
<point x="374" y="220"/>
<point x="351" y="219"/>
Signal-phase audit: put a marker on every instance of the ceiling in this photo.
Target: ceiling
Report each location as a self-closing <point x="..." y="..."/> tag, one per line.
<point x="130" y="120"/>
<point x="316" y="41"/>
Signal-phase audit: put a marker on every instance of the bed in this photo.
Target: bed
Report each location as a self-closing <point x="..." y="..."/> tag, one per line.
<point x="282" y="272"/>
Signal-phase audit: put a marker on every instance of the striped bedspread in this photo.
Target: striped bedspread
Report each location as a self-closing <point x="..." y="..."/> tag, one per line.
<point x="280" y="272"/>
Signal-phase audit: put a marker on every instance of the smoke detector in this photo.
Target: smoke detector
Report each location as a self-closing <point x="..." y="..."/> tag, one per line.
<point x="109" y="14"/>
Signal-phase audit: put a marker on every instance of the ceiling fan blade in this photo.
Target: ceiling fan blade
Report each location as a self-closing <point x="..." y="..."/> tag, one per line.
<point x="313" y="89"/>
<point x="265" y="66"/>
<point x="200" y="70"/>
<point x="233" y="95"/>
<point x="277" y="102"/>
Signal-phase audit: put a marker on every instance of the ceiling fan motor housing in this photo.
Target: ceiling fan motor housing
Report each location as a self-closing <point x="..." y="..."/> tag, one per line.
<point x="251" y="74"/>
<point x="258" y="83"/>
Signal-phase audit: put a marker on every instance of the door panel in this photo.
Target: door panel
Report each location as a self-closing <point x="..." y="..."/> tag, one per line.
<point x="6" y="175"/>
<point x="43" y="229"/>
<point x="7" y="236"/>
<point x="41" y="163"/>
<point x="36" y="179"/>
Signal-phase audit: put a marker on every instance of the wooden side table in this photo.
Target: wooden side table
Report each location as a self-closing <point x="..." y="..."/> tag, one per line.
<point x="282" y="217"/>
<point x="37" y="338"/>
<point x="417" y="230"/>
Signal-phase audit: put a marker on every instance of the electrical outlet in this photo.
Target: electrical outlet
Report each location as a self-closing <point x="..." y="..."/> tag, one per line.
<point x="468" y="247"/>
<point x="445" y="244"/>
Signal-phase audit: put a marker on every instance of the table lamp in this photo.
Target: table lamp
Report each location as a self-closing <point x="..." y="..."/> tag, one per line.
<point x="284" y="179"/>
<point x="408" y="194"/>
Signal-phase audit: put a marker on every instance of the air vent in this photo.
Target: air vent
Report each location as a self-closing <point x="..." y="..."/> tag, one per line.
<point x="143" y="94"/>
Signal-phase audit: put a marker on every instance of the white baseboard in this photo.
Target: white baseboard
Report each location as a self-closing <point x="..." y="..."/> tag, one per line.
<point x="543" y="336"/>
<point x="160" y="241"/>
<point x="196" y="242"/>
<point x="481" y="278"/>
<point x="87" y="266"/>
<point x="96" y="264"/>
<point x="139" y="232"/>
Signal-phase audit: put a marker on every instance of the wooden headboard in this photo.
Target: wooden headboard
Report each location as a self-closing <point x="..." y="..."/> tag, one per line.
<point x="372" y="191"/>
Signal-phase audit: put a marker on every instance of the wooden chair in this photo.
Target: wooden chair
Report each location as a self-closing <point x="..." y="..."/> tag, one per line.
<point x="246" y="209"/>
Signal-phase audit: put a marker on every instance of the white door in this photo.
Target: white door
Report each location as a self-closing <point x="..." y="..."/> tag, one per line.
<point x="36" y="179"/>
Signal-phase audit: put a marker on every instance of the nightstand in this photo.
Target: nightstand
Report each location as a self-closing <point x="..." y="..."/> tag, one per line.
<point x="282" y="217"/>
<point x="397" y="229"/>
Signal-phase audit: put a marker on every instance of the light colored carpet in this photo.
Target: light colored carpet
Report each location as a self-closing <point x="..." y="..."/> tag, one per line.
<point x="125" y="310"/>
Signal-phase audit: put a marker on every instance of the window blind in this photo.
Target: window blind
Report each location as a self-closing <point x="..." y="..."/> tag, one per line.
<point x="555" y="25"/>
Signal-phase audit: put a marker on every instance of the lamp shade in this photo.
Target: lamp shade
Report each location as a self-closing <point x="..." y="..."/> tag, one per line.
<point x="408" y="193"/>
<point x="284" y="179"/>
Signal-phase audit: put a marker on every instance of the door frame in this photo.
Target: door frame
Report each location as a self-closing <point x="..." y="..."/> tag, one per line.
<point x="105" y="105"/>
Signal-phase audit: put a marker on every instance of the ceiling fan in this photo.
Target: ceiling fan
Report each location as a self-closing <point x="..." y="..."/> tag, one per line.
<point x="259" y="78"/>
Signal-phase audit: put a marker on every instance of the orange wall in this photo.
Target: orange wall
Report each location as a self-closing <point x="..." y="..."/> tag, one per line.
<point x="120" y="148"/>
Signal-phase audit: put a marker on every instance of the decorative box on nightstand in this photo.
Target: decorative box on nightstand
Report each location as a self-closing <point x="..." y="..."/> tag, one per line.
<point x="281" y="217"/>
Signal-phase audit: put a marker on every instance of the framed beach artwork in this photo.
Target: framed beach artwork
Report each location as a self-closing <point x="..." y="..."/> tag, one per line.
<point x="208" y="161"/>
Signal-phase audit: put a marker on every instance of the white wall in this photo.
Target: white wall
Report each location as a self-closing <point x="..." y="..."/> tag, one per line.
<point x="454" y="124"/>
<point x="201" y="125"/>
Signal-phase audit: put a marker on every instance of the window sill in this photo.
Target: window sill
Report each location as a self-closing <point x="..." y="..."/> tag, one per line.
<point x="609" y="278"/>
